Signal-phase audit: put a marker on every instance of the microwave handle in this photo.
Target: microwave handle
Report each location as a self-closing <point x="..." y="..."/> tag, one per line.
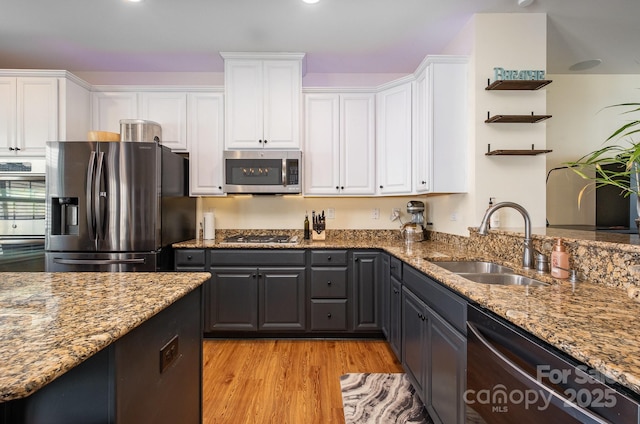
<point x="284" y="172"/>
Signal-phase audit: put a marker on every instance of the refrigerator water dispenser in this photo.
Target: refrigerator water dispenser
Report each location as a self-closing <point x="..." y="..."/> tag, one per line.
<point x="65" y="215"/>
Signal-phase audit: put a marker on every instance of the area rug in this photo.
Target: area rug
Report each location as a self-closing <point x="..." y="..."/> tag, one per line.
<point x="381" y="398"/>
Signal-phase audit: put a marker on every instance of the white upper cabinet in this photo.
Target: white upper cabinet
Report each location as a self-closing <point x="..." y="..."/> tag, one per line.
<point x="109" y="107"/>
<point x="262" y="100"/>
<point x="339" y="144"/>
<point x="29" y="114"/>
<point x="169" y="109"/>
<point x="393" y="122"/>
<point x="441" y="129"/>
<point x="39" y="106"/>
<point x="206" y="132"/>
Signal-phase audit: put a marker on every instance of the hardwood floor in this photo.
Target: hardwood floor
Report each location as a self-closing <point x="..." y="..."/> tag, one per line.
<point x="284" y="381"/>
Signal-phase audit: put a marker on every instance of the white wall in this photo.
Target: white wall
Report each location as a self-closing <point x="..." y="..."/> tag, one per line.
<point x="287" y="212"/>
<point x="511" y="41"/>
<point x="581" y="123"/>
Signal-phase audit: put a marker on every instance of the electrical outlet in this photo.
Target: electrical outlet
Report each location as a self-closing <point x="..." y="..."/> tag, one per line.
<point x="331" y="213"/>
<point x="395" y="214"/>
<point x="375" y="213"/>
<point x="454" y="216"/>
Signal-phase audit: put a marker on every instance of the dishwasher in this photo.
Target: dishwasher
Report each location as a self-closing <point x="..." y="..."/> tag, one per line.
<point x="513" y="377"/>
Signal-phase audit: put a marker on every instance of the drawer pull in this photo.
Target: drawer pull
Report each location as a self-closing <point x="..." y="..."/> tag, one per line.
<point x="329" y="315"/>
<point x="328" y="283"/>
<point x="328" y="258"/>
<point x="189" y="258"/>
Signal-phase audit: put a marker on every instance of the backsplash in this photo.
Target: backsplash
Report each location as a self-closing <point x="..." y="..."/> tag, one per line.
<point x="609" y="263"/>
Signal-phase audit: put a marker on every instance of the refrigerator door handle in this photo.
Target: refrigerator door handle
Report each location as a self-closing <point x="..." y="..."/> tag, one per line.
<point x="97" y="197"/>
<point x="91" y="222"/>
<point x="97" y="261"/>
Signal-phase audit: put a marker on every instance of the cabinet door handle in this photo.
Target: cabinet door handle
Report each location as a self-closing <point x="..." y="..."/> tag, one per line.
<point x="356" y="259"/>
<point x="17" y="148"/>
<point x="329" y="315"/>
<point x="381" y="186"/>
<point x="395" y="291"/>
<point x="424" y="182"/>
<point x="337" y="187"/>
<point x="11" y="149"/>
<point x="341" y="187"/>
<point x="328" y="283"/>
<point x="260" y="141"/>
<point x="253" y="275"/>
<point x="265" y="142"/>
<point x="328" y="258"/>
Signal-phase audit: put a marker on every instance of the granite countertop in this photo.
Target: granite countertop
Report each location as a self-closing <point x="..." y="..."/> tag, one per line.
<point x="593" y="323"/>
<point x="51" y="322"/>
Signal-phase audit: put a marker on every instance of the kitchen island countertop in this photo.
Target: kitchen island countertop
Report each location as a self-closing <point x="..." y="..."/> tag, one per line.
<point x="52" y="322"/>
<point x="594" y="323"/>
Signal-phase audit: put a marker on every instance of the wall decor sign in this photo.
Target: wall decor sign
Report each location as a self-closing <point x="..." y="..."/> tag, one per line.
<point x="515" y="74"/>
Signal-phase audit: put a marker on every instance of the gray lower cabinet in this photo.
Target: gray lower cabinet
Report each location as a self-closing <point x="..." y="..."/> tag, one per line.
<point x="263" y="291"/>
<point x="385" y="279"/>
<point x="415" y="337"/>
<point x="329" y="291"/>
<point x="395" y="317"/>
<point x="367" y="291"/>
<point x="434" y="345"/>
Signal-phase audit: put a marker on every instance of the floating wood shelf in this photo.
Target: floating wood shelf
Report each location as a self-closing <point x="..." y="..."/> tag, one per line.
<point x="508" y="119"/>
<point x="515" y="152"/>
<point x="517" y="84"/>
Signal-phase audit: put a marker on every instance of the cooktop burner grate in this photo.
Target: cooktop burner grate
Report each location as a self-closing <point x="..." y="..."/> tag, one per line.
<point x="258" y="238"/>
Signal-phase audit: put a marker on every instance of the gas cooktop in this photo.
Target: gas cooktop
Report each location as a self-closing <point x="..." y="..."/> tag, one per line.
<point x="261" y="239"/>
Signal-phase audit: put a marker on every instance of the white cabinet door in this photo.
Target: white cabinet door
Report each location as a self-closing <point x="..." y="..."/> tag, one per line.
<point x="37" y="114"/>
<point x="282" y="86"/>
<point x="110" y="107"/>
<point x="421" y="141"/>
<point x="262" y="106"/>
<point x="449" y="127"/>
<point x="243" y="104"/>
<point x="206" y="131"/>
<point x="8" y="106"/>
<point x="441" y="139"/>
<point x="357" y="140"/>
<point x="169" y="109"/>
<point x="394" y="140"/>
<point x="339" y="144"/>
<point x="321" y="153"/>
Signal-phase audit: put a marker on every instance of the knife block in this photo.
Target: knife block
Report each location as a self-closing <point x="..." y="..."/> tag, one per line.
<point x="318" y="236"/>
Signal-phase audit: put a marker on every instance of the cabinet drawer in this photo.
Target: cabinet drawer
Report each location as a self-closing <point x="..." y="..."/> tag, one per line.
<point x="447" y="304"/>
<point x="329" y="282"/>
<point x="328" y="257"/>
<point x="329" y="314"/>
<point x="257" y="257"/>
<point x="396" y="267"/>
<point x="190" y="258"/>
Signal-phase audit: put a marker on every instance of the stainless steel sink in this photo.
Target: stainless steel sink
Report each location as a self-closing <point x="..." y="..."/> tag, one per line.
<point x="488" y="273"/>
<point x="475" y="267"/>
<point x="502" y="279"/>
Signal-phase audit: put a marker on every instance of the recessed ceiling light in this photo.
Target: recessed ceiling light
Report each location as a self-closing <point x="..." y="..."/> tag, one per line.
<point x="311" y="1"/>
<point x="134" y="1"/>
<point x="585" y="64"/>
<point x="524" y="3"/>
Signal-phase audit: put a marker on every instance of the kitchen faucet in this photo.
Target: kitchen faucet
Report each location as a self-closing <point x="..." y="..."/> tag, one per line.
<point x="528" y="253"/>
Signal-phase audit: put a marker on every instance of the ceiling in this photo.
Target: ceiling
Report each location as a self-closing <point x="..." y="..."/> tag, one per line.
<point x="374" y="36"/>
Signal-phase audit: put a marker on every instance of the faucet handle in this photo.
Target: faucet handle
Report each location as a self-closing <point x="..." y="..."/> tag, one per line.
<point x="542" y="262"/>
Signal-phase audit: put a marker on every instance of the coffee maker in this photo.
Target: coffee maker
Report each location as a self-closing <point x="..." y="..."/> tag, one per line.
<point x="414" y="230"/>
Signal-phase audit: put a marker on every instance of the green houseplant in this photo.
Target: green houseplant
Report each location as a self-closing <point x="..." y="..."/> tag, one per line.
<point x="616" y="165"/>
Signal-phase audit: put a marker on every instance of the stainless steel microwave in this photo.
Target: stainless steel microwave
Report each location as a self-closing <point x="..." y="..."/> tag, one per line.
<point x="262" y="171"/>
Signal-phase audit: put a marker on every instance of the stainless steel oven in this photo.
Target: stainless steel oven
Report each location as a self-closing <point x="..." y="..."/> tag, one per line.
<point x="262" y="171"/>
<point x="512" y="377"/>
<point x="22" y="214"/>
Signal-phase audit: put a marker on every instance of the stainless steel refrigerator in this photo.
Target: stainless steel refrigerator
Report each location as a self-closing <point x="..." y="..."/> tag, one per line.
<point x="115" y="206"/>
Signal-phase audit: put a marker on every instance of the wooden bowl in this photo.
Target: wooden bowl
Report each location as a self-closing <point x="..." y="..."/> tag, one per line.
<point x="103" y="136"/>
